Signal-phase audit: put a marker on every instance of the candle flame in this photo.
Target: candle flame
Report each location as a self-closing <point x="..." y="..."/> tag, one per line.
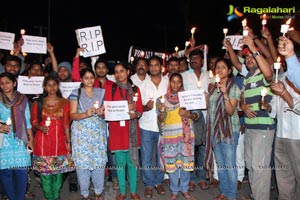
<point x="264" y="92"/>
<point x="176" y="49"/>
<point x="278" y="59"/>
<point x="163" y="56"/>
<point x="131" y="58"/>
<point x="244" y="23"/>
<point x="225" y="30"/>
<point x="22" y="31"/>
<point x="142" y="54"/>
<point x="288" y="21"/>
<point x="193" y="30"/>
<point x="187" y="43"/>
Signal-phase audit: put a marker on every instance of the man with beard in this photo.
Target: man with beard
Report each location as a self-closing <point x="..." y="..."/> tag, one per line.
<point x="141" y="72"/>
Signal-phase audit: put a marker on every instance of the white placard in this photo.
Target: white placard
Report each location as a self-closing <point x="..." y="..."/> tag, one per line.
<point x="67" y="87"/>
<point x="7" y="40"/>
<point x="32" y="85"/>
<point x="192" y="99"/>
<point x="34" y="44"/>
<point x="116" y="110"/>
<point x="91" y="39"/>
<point x="235" y="41"/>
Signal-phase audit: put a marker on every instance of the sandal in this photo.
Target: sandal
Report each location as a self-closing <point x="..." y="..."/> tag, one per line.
<point x="188" y="196"/>
<point x="85" y="198"/>
<point x="29" y="195"/>
<point x="115" y="185"/>
<point x="99" y="197"/>
<point x="173" y="197"/>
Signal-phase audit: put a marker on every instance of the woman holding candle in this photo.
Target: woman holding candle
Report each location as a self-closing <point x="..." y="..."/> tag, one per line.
<point x="223" y="129"/>
<point x="89" y="137"/>
<point x="124" y="138"/>
<point x="177" y="140"/>
<point x="50" y="115"/>
<point x="14" y="157"/>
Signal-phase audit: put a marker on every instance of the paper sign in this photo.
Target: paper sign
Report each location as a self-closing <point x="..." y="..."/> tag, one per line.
<point x="91" y="39"/>
<point x="192" y="99"/>
<point x="116" y="110"/>
<point x="34" y="44"/>
<point x="67" y="87"/>
<point x="7" y="40"/>
<point x="235" y="41"/>
<point x="32" y="85"/>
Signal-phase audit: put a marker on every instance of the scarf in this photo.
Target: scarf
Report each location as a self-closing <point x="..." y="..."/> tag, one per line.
<point x="133" y="132"/>
<point x="222" y="126"/>
<point x="17" y="105"/>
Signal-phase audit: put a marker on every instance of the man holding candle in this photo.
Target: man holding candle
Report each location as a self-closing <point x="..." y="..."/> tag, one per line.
<point x="260" y="127"/>
<point x="141" y="72"/>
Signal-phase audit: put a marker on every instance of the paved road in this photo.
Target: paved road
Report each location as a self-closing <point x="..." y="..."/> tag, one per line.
<point x="111" y="194"/>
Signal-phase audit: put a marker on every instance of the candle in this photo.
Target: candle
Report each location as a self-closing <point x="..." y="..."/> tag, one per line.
<point x="217" y="79"/>
<point x="211" y="74"/>
<point x="277" y="67"/>
<point x="131" y="59"/>
<point x="263" y="93"/>
<point x="48" y="122"/>
<point x="285" y="27"/>
<point x="22" y="31"/>
<point x="8" y="121"/>
<point x="163" y="58"/>
<point x="193" y="31"/>
<point x="142" y="54"/>
<point x="176" y="49"/>
<point x="96" y="104"/>
<point x="12" y="52"/>
<point x="162" y="100"/>
<point x="135" y="98"/>
<point x="225" y="31"/>
<point x="264" y="21"/>
<point x="245" y="32"/>
<point x="187" y="43"/>
<point x="244" y="23"/>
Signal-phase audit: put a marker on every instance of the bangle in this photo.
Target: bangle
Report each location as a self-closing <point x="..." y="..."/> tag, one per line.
<point x="195" y="116"/>
<point x="256" y="54"/>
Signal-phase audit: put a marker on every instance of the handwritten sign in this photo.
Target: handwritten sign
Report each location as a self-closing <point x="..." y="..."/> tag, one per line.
<point x="192" y="99"/>
<point x="67" y="87"/>
<point x="32" y="85"/>
<point x="34" y="44"/>
<point x="116" y="110"/>
<point x="91" y="39"/>
<point x="7" y="40"/>
<point x="235" y="41"/>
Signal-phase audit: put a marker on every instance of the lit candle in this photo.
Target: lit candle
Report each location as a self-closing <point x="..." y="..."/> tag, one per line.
<point x="225" y="31"/>
<point x="285" y="27"/>
<point x="135" y="98"/>
<point x="8" y="121"/>
<point x="244" y="23"/>
<point x="163" y="58"/>
<point x="96" y="104"/>
<point x="187" y="43"/>
<point x="131" y="59"/>
<point x="193" y="31"/>
<point x="277" y="67"/>
<point x="217" y="79"/>
<point x="264" y="21"/>
<point x="211" y="74"/>
<point x="142" y="54"/>
<point x="245" y="32"/>
<point x="263" y="93"/>
<point x="22" y="31"/>
<point x="162" y="100"/>
<point x="12" y="52"/>
<point x="48" y="122"/>
<point x="176" y="49"/>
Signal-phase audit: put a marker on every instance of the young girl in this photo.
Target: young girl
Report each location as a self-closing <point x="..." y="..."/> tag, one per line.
<point x="177" y="138"/>
<point x="124" y="139"/>
<point x="50" y="115"/>
<point x="89" y="138"/>
<point x="16" y="131"/>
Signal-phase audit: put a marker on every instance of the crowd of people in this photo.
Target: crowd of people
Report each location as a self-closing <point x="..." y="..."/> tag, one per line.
<point x="251" y="120"/>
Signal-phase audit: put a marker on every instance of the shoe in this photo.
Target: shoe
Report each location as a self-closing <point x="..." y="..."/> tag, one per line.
<point x="160" y="189"/>
<point x="192" y="186"/>
<point x="203" y="185"/>
<point x="239" y="185"/>
<point x="166" y="181"/>
<point x="73" y="187"/>
<point x="173" y="197"/>
<point x="135" y="196"/>
<point x="121" y="197"/>
<point x="188" y="196"/>
<point x="215" y="183"/>
<point x="220" y="197"/>
<point x="148" y="192"/>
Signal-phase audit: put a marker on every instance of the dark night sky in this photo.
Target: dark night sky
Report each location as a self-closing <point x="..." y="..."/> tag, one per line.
<point x="157" y="25"/>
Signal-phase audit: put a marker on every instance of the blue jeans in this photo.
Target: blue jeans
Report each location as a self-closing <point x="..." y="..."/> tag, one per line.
<point x="225" y="154"/>
<point x="177" y="186"/>
<point x="14" y="183"/>
<point x="152" y="175"/>
<point x="199" y="173"/>
<point x="84" y="176"/>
